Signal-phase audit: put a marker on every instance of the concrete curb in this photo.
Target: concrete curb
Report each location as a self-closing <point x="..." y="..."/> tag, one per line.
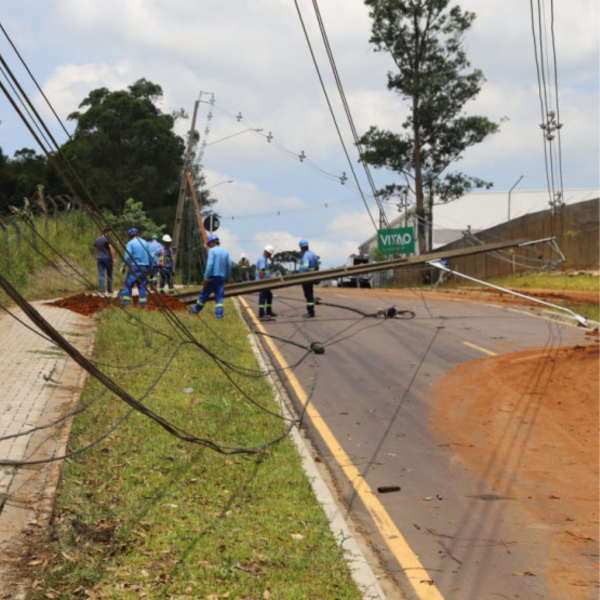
<point x="563" y="318"/>
<point x="361" y="571"/>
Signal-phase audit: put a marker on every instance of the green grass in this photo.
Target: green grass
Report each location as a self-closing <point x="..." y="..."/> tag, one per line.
<point x="143" y="515"/>
<point x="32" y="273"/>
<point x="550" y="281"/>
<point x="591" y="311"/>
<point x="557" y="282"/>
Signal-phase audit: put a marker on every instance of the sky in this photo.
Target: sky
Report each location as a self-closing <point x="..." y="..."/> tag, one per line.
<point x="252" y="56"/>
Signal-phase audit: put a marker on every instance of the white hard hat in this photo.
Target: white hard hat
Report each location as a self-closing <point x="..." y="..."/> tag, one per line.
<point x="167" y="238"/>
<point x="269" y="249"/>
<point x="242" y="255"/>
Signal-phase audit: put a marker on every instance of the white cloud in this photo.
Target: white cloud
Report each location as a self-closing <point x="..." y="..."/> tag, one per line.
<point x="252" y="54"/>
<point x="70" y="84"/>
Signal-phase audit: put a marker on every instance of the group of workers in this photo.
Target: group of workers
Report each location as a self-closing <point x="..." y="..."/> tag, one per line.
<point x="144" y="261"/>
<point x="218" y="272"/>
<point x="147" y="261"/>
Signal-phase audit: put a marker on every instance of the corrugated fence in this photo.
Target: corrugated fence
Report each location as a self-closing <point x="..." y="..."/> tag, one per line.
<point x="576" y="230"/>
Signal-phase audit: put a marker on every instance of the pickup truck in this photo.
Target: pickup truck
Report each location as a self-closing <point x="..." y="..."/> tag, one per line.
<point x="364" y="280"/>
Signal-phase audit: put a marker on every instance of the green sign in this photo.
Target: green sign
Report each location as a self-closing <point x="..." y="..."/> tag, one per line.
<point x="396" y="241"/>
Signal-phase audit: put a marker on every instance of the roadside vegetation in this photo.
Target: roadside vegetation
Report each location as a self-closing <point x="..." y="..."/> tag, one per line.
<point x="556" y="282"/>
<point x="144" y="515"/>
<point x="35" y="268"/>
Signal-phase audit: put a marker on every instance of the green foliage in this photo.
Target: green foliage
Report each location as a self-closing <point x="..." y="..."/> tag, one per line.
<point x="124" y="146"/>
<point x="144" y="515"/>
<point x="134" y="215"/>
<point x="286" y="257"/>
<point x="34" y="267"/>
<point x="425" y="40"/>
<point x="377" y="255"/>
<point x="20" y="176"/>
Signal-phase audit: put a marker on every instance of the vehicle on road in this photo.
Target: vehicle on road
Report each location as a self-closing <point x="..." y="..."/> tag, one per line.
<point x="357" y="281"/>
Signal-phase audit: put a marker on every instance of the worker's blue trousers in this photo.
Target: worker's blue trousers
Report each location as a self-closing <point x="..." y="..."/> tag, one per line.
<point x="265" y="303"/>
<point x="166" y="278"/>
<point x="216" y="285"/>
<point x="105" y="264"/>
<point x="136" y="276"/>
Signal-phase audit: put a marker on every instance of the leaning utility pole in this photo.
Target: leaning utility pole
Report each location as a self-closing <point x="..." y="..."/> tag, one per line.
<point x="183" y="186"/>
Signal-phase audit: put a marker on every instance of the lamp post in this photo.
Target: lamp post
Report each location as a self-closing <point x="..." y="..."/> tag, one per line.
<point x="220" y="183"/>
<point x="510" y="191"/>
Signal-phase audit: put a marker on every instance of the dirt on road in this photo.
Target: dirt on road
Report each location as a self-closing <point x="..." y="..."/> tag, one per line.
<point x="527" y="424"/>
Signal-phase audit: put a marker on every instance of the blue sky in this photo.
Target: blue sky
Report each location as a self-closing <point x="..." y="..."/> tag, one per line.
<point x="252" y="55"/>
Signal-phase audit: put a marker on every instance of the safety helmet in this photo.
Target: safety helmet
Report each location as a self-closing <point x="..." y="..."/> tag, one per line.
<point x="166" y="238"/>
<point x="303" y="244"/>
<point x="133" y="231"/>
<point x="212" y="238"/>
<point x="154" y="236"/>
<point x="242" y="255"/>
<point x="269" y="249"/>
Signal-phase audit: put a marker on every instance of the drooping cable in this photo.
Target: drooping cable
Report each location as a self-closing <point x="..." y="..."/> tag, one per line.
<point x="316" y="64"/>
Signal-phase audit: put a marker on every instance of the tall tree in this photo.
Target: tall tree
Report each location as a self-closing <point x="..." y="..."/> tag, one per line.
<point x="20" y="176"/>
<point x="425" y="40"/>
<point x="124" y="147"/>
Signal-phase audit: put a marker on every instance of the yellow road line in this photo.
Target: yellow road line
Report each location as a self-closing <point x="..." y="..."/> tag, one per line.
<point x="475" y="347"/>
<point x="416" y="574"/>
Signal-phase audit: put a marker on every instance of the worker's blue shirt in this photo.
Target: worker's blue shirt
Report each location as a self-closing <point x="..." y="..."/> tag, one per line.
<point x="263" y="263"/>
<point x="308" y="262"/>
<point x="219" y="264"/>
<point x="138" y="253"/>
<point x="156" y="248"/>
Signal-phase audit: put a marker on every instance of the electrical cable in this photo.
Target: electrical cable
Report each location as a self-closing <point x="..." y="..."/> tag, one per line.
<point x="332" y="112"/>
<point x="344" y="99"/>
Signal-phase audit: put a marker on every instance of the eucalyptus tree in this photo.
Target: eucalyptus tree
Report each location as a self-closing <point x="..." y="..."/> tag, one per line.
<point x="425" y="39"/>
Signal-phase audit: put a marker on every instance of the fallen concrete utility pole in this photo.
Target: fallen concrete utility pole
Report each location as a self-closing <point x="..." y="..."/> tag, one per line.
<point x="274" y="283"/>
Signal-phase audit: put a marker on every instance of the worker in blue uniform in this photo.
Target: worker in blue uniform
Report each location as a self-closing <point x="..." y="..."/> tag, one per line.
<point x="218" y="271"/>
<point x="309" y="262"/>
<point x="156" y="250"/>
<point x="138" y="258"/>
<point x="263" y="271"/>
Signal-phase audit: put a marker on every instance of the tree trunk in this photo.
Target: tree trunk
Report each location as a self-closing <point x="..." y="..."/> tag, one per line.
<point x="421" y="231"/>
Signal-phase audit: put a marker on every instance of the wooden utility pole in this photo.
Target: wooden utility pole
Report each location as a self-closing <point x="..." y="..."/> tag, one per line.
<point x="183" y="186"/>
<point x="198" y="213"/>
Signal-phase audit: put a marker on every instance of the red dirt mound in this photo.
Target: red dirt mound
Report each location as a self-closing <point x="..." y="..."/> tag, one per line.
<point x="88" y="304"/>
<point x="528" y="424"/>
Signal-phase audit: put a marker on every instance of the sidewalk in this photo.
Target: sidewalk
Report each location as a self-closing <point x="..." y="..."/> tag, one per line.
<point x="39" y="385"/>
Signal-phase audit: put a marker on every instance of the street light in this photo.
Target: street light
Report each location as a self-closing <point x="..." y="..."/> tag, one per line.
<point x="232" y="135"/>
<point x="510" y="192"/>
<point x="220" y="183"/>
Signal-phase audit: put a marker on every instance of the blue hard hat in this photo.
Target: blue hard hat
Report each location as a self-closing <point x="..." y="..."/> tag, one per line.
<point x="303" y="244"/>
<point x="212" y="238"/>
<point x="132" y="231"/>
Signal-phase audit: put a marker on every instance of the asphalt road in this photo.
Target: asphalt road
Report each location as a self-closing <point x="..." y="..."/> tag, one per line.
<point x="450" y="536"/>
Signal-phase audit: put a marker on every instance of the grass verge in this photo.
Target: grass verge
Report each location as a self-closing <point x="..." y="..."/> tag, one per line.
<point x="143" y="515"/>
<point x="556" y="282"/>
<point x="551" y="281"/>
<point x="36" y="270"/>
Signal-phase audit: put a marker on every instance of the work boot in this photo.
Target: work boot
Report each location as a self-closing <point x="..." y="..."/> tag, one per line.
<point x="308" y="316"/>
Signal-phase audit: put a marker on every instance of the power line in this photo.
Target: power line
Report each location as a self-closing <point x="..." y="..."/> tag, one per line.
<point x="383" y="218"/>
<point x="314" y="59"/>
